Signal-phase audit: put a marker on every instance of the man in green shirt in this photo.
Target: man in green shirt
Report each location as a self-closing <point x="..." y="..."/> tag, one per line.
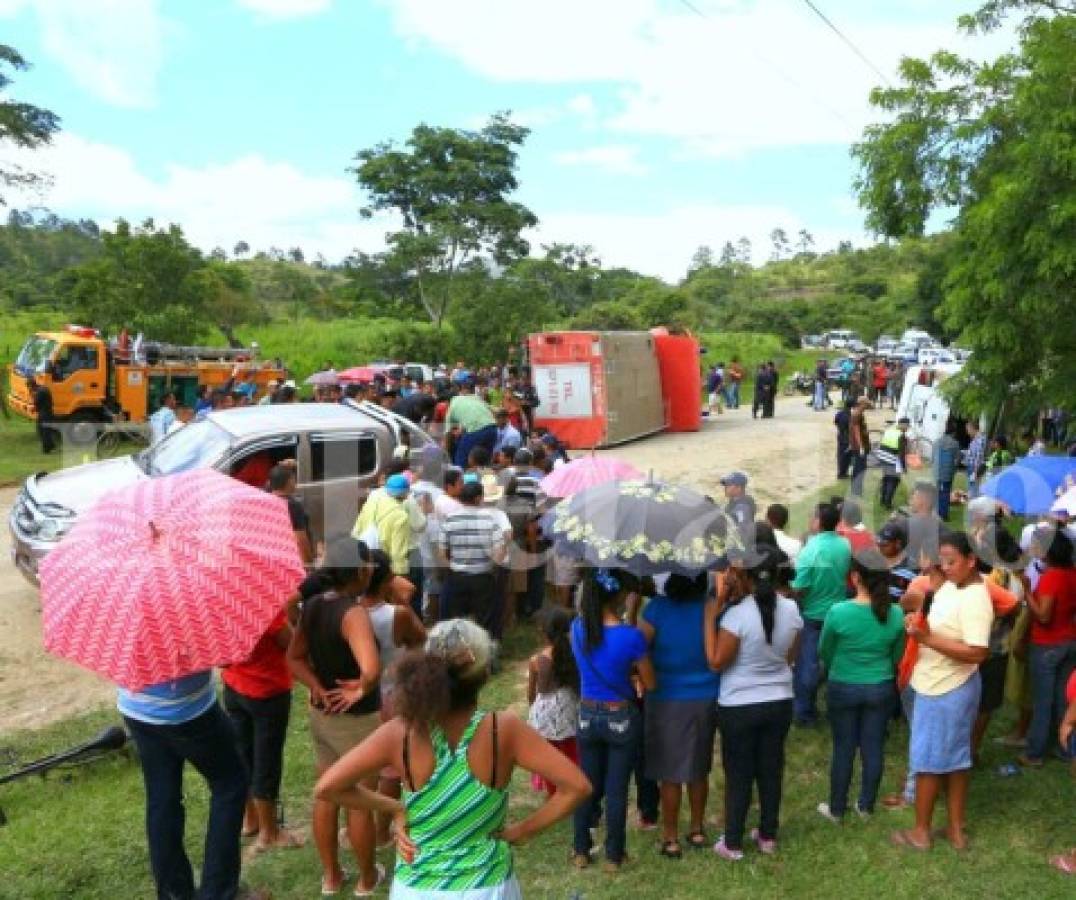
<point x="821" y="580"/>
<point x="474" y="419"/>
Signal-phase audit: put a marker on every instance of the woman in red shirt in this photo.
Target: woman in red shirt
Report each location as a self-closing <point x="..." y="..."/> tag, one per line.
<point x="257" y="697"/>
<point x="1052" y="653"/>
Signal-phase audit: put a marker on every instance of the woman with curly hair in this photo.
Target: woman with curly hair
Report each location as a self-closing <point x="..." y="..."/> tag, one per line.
<point x="454" y="756"/>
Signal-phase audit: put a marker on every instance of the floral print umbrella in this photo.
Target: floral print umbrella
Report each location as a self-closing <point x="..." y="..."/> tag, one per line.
<point x="646" y="527"/>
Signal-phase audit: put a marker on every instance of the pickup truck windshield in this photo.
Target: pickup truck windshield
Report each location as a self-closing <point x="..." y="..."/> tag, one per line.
<point x="195" y="446"/>
<point x="35" y="355"/>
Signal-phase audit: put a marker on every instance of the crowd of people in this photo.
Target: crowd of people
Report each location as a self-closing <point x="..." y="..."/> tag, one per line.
<point x="397" y="629"/>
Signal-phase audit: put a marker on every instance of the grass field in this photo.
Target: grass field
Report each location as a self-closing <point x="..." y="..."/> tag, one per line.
<point x="78" y="833"/>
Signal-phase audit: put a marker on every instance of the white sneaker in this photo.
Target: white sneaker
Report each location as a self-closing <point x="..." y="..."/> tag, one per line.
<point x="824" y="811"/>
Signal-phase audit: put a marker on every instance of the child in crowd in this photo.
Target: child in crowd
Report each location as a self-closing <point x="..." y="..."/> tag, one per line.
<point x="553" y="689"/>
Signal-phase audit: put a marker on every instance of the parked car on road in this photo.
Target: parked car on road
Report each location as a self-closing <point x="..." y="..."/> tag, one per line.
<point x="341" y="450"/>
<point x="838" y="339"/>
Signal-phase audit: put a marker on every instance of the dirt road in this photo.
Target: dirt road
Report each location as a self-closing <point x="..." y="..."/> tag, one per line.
<point x="35" y="688"/>
<point x="786" y="458"/>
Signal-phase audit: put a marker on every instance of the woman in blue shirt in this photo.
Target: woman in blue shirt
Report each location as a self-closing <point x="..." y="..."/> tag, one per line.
<point x="607" y="653"/>
<point x="681" y="713"/>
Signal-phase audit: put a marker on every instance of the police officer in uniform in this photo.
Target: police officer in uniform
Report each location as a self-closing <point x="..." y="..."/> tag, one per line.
<point x="741" y="505"/>
<point x="892" y="455"/>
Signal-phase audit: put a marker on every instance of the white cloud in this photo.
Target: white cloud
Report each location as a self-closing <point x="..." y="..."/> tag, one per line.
<point x="264" y="202"/>
<point x="113" y="49"/>
<point x="744" y="76"/>
<point x="285" y="9"/>
<point x="615" y="158"/>
<point x="661" y="243"/>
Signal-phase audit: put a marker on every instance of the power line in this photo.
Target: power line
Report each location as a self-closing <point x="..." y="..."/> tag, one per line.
<point x="837" y="114"/>
<point x="848" y="42"/>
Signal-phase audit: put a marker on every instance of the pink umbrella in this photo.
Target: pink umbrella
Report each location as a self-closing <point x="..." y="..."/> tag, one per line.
<point x="168" y="577"/>
<point x="359" y="374"/>
<point x="586" y="472"/>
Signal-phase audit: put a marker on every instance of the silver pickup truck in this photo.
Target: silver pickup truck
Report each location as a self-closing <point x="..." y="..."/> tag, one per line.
<point x="341" y="449"/>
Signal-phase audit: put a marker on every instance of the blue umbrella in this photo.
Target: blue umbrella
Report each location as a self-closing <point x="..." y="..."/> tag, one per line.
<point x="1029" y="487"/>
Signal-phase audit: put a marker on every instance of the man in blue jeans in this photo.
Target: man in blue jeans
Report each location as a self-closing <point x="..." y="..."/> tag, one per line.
<point x="174" y="723"/>
<point x="821" y="580"/>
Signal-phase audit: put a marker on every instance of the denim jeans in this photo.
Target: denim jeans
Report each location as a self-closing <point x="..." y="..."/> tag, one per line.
<point x="483" y="437"/>
<point x="907" y="705"/>
<point x="973" y="488"/>
<point x="858" y="715"/>
<point x="806" y="674"/>
<point x="859" y="471"/>
<point x="608" y="748"/>
<point x="207" y="743"/>
<point x="945" y="490"/>
<point x="1050" y="666"/>
<point x="734" y="395"/>
<point x="819" y="402"/>
<point x="753" y="752"/>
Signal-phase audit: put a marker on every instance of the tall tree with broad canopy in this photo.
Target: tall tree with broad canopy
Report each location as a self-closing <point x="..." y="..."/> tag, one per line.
<point x="22" y="125"/>
<point x="451" y="189"/>
<point x="996" y="142"/>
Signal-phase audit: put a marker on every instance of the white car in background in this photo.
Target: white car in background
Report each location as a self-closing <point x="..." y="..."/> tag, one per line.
<point x="839" y="339"/>
<point x="932" y="356"/>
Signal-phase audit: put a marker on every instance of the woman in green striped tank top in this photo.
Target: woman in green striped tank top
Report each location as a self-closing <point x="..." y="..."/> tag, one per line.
<point x="457" y="761"/>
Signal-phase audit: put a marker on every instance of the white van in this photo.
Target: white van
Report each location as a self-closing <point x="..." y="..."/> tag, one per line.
<point x="923" y="404"/>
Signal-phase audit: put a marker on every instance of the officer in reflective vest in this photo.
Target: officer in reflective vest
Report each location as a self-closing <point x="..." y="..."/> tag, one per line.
<point x="891" y="454"/>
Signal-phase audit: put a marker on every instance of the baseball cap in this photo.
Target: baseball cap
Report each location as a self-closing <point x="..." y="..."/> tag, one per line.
<point x="892" y="531"/>
<point x="397" y="486"/>
<point x="738" y="478"/>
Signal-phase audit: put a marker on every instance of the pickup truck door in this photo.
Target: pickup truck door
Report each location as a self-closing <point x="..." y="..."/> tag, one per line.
<point x="337" y="471"/>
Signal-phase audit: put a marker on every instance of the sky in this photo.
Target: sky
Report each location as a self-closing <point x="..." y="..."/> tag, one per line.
<point x="657" y="126"/>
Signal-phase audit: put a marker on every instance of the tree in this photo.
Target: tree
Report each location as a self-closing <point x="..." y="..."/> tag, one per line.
<point x="994" y="141"/>
<point x="241" y="249"/>
<point x="567" y="276"/>
<point x="22" y="125"/>
<point x="728" y="254"/>
<point x="451" y="188"/>
<point x="148" y="279"/>
<point x="488" y="314"/>
<point x="743" y="251"/>
<point x="219" y="254"/>
<point x="703" y="258"/>
<point x="779" y="239"/>
<point x="608" y="315"/>
<point x="227" y="294"/>
<point x="805" y="241"/>
<point x="295" y="254"/>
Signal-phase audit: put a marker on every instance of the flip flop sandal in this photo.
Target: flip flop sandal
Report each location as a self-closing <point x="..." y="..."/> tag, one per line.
<point x="369" y="892"/>
<point x="697" y="840"/>
<point x="902" y="840"/>
<point x="345" y="877"/>
<point x="671" y="850"/>
<point x="1065" y="863"/>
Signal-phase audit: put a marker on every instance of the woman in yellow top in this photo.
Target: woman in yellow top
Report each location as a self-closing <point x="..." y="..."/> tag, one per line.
<point x="953" y="641"/>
